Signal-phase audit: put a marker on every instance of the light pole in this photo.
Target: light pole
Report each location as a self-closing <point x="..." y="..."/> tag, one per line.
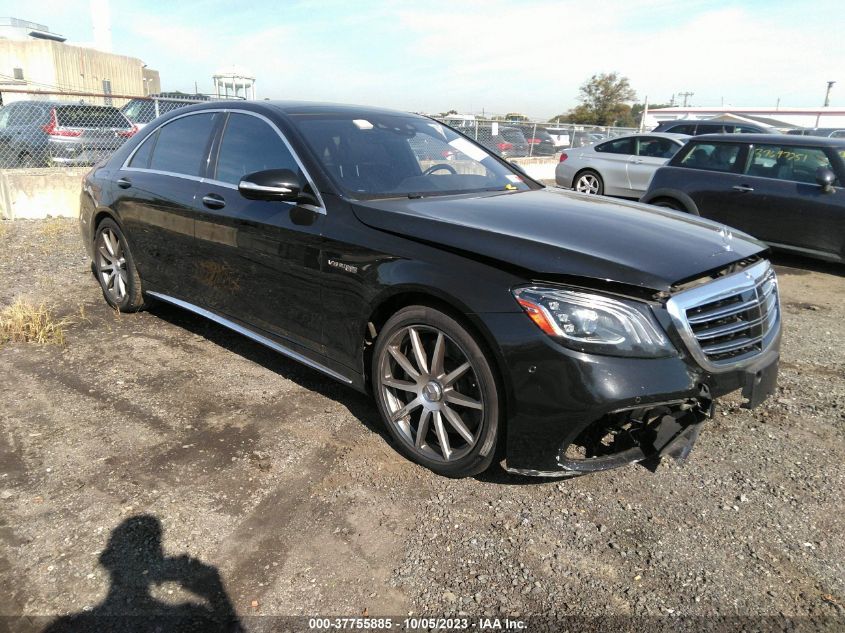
<point x="827" y="93"/>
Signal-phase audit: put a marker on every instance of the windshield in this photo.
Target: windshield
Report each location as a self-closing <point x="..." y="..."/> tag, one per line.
<point x="384" y="156"/>
<point x="140" y="111"/>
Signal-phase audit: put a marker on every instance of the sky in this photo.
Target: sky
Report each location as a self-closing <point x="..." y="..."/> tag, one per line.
<point x="491" y="56"/>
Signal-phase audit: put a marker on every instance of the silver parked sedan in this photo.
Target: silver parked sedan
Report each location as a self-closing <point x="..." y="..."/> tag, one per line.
<point x="622" y="166"/>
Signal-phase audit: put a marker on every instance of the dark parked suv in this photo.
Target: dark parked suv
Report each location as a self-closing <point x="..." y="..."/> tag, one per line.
<point x="487" y="315"/>
<point x="43" y="133"/>
<point x="695" y="128"/>
<point x="783" y="189"/>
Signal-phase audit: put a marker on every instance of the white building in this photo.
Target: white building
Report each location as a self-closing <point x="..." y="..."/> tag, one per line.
<point x="788" y="117"/>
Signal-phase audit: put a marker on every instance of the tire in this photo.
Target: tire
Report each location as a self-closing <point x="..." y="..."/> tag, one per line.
<point x="670" y="203"/>
<point x="122" y="290"/>
<point x="442" y="414"/>
<point x="588" y="181"/>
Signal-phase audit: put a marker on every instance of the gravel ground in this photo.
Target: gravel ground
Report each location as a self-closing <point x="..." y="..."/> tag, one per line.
<point x="277" y="493"/>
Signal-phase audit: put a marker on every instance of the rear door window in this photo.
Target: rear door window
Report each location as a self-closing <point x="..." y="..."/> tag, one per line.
<point x="182" y="146"/>
<point x="250" y="145"/>
<point x="783" y="162"/>
<point x="712" y="156"/>
<point x="619" y="146"/>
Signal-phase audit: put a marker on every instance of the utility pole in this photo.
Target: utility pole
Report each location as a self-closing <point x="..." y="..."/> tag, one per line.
<point x="686" y="96"/>
<point x="827" y="94"/>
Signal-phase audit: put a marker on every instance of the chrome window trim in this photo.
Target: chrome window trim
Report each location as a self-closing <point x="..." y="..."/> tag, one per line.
<point x="721" y="288"/>
<point x="258" y="338"/>
<point x="125" y="167"/>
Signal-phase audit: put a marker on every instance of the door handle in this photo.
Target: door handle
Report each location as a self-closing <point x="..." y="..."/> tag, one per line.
<point x="743" y="188"/>
<point x="213" y="201"/>
<point x="637" y="161"/>
<point x="124" y="183"/>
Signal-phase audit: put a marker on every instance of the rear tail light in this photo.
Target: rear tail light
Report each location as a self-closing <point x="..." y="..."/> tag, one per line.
<point x="563" y="156"/>
<point x="128" y="133"/>
<point x="504" y="146"/>
<point x="53" y="129"/>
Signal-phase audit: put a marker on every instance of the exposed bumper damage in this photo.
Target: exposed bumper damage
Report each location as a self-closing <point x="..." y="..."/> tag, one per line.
<point x="642" y="435"/>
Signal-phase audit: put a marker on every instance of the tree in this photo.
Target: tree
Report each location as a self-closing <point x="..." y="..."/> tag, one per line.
<point x="603" y="100"/>
<point x="637" y="108"/>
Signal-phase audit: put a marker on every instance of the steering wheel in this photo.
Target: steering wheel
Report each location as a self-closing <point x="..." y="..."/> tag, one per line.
<point x="438" y="167"/>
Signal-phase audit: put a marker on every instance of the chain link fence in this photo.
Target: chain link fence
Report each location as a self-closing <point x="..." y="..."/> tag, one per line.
<point x="53" y="130"/>
<point x="520" y="139"/>
<point x="41" y="129"/>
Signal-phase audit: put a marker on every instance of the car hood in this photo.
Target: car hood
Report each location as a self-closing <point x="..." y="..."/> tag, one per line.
<point x="556" y="233"/>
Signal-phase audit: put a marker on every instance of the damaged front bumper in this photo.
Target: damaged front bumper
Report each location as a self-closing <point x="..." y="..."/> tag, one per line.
<point x="643" y="435"/>
<point x="571" y="413"/>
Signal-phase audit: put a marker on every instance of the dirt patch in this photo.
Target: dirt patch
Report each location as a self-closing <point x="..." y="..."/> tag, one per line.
<point x="281" y="483"/>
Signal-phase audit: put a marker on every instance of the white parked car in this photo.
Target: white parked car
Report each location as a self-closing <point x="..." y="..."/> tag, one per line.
<point x="622" y="166"/>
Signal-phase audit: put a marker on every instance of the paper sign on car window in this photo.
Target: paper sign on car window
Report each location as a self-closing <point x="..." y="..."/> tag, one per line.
<point x="467" y="148"/>
<point x="363" y="124"/>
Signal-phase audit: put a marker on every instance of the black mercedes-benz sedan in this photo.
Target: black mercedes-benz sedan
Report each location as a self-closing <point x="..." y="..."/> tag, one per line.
<point x="490" y="317"/>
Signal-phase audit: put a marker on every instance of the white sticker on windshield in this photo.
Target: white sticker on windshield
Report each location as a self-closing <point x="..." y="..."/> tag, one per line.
<point x="467" y="148"/>
<point x="363" y="124"/>
<point x="513" y="178"/>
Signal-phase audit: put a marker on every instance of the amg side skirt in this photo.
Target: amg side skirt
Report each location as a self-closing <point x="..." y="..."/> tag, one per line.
<point x="258" y="338"/>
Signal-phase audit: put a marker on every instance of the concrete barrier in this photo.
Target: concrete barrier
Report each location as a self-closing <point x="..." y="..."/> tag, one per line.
<point x="539" y="168"/>
<point x="54" y="192"/>
<point x="40" y="193"/>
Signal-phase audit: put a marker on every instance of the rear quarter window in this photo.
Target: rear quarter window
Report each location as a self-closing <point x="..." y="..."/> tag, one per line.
<point x="619" y="146"/>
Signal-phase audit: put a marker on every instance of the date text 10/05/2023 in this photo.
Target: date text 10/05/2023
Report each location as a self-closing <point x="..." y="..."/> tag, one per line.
<point x="416" y="623"/>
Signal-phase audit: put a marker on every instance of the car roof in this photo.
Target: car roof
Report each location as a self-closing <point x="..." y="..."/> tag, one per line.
<point x="672" y="135"/>
<point x="36" y="102"/>
<point x="316" y="107"/>
<point x="812" y="141"/>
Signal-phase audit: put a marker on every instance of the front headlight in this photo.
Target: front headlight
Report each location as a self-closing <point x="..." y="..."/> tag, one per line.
<point x="595" y="323"/>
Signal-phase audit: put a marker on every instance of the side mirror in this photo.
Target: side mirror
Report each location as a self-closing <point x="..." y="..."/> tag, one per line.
<point x="825" y="178"/>
<point x="271" y="184"/>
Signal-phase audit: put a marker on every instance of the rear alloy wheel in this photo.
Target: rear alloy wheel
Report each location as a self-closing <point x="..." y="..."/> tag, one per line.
<point x="589" y="182"/>
<point x="115" y="268"/>
<point x="436" y="392"/>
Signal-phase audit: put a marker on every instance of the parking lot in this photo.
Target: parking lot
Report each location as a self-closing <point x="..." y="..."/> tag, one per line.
<point x="283" y="482"/>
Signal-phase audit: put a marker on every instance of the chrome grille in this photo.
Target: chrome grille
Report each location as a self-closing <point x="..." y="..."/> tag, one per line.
<point x="729" y="321"/>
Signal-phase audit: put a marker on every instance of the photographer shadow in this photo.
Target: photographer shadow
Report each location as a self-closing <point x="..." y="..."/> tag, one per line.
<point x="135" y="561"/>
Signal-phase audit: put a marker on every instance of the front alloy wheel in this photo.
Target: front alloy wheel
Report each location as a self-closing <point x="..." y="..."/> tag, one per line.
<point x="436" y="392"/>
